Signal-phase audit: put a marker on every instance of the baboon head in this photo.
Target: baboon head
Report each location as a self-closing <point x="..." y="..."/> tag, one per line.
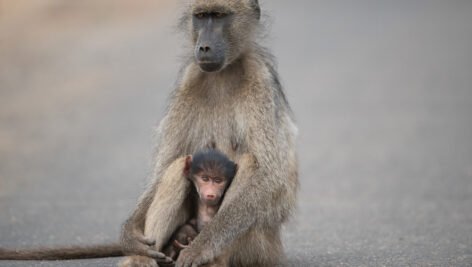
<point x="211" y="172"/>
<point x="221" y="30"/>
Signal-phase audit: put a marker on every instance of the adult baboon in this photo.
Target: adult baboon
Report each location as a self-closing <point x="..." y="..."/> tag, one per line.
<point x="228" y="97"/>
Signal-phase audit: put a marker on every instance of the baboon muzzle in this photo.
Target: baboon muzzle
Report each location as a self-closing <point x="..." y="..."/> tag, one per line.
<point x="210" y="47"/>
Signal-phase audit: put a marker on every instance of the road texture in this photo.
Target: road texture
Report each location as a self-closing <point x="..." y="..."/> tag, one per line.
<point x="382" y="93"/>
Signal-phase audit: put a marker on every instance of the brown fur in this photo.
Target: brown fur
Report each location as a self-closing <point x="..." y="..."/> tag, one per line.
<point x="241" y="110"/>
<point x="62" y="253"/>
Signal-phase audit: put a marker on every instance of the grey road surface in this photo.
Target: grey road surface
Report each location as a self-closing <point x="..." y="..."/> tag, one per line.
<point x="382" y="93"/>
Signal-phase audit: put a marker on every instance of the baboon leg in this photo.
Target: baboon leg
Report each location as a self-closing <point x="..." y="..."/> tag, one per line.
<point x="220" y="261"/>
<point x="260" y="247"/>
<point x="137" y="261"/>
<point x="168" y="211"/>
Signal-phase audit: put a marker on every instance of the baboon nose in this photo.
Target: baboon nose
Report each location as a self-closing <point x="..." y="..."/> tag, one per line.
<point x="210" y="196"/>
<point x="204" y="48"/>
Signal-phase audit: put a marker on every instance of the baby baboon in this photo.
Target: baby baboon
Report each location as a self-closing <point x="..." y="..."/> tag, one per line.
<point x="229" y="98"/>
<point x="211" y="173"/>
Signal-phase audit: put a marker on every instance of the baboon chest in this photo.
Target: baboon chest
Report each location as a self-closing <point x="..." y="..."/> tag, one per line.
<point x="216" y="127"/>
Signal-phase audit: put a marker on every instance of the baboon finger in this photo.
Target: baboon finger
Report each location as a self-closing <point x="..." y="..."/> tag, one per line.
<point x="169" y="264"/>
<point x="147" y="241"/>
<point x="160" y="258"/>
<point x="156" y="255"/>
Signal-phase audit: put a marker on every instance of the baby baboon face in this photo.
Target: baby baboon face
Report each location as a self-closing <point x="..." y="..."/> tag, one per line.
<point x="210" y="188"/>
<point x="211" y="172"/>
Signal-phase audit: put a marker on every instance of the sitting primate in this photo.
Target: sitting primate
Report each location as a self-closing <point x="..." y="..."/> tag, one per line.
<point x="211" y="173"/>
<point x="228" y="97"/>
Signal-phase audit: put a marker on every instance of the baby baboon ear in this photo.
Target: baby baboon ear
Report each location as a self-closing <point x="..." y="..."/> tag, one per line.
<point x="188" y="161"/>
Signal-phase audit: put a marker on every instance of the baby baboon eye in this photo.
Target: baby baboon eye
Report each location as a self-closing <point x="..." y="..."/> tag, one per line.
<point x="205" y="179"/>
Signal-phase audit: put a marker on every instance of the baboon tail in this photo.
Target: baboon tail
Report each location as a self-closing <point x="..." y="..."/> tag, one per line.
<point x="62" y="253"/>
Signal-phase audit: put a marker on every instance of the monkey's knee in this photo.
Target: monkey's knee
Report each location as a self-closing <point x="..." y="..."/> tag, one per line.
<point x="221" y="261"/>
<point x="247" y="163"/>
<point x="167" y="210"/>
<point x="137" y="261"/>
<point x="259" y="247"/>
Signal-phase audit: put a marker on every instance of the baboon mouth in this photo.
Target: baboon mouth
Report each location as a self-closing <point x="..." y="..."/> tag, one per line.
<point x="207" y="66"/>
<point x="211" y="202"/>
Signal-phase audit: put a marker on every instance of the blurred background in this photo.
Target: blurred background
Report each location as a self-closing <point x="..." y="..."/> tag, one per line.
<point x="382" y="93"/>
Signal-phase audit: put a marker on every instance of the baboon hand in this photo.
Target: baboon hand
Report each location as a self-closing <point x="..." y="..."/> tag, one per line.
<point x="137" y="244"/>
<point x="192" y="257"/>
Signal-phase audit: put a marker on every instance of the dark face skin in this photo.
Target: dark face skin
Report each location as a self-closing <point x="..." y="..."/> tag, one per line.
<point x="211" y="45"/>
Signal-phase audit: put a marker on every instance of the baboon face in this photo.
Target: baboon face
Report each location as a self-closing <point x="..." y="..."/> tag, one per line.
<point x="211" y="45"/>
<point x="222" y="30"/>
<point x="210" y="188"/>
<point x="211" y="172"/>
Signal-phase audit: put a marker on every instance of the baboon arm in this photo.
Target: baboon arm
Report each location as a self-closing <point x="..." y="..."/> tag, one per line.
<point x="167" y="211"/>
<point x="133" y="240"/>
<point x="132" y="236"/>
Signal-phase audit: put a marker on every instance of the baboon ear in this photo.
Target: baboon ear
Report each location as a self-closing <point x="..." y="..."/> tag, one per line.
<point x="256" y="8"/>
<point x="188" y="161"/>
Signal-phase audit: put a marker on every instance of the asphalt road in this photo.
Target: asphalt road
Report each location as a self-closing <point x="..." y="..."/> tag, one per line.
<point x="382" y="93"/>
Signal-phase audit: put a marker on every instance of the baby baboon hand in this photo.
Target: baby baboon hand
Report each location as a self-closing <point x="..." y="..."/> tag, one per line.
<point x="180" y="245"/>
<point x="192" y="257"/>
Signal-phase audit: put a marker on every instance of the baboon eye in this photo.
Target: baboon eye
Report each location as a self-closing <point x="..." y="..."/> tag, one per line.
<point x="205" y="179"/>
<point x="219" y="14"/>
<point x="200" y="15"/>
<point x="218" y="181"/>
